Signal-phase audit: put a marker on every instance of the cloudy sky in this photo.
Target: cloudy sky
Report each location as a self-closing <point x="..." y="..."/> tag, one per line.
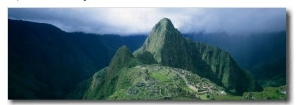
<point x="126" y="21"/>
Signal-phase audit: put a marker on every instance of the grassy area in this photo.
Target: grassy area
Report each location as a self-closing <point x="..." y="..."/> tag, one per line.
<point x="159" y="76"/>
<point x="184" y="86"/>
<point x="183" y="98"/>
<point x="118" y="95"/>
<point x="227" y="97"/>
<point x="204" y="97"/>
<point x="269" y="93"/>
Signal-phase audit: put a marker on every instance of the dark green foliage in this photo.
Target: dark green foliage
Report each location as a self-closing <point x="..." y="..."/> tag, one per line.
<point x="272" y="74"/>
<point x="203" y="68"/>
<point x="122" y="58"/>
<point x="265" y="58"/>
<point x="45" y="62"/>
<point x="20" y="89"/>
<point x="43" y="54"/>
<point x="146" y="58"/>
<point x="248" y="51"/>
<point x="95" y="88"/>
<point x="224" y="67"/>
<point x="80" y="90"/>
<point x="228" y="97"/>
<point x="269" y="93"/>
<point x="106" y="81"/>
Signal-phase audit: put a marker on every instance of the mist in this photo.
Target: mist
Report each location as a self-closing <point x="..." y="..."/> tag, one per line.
<point x="127" y="21"/>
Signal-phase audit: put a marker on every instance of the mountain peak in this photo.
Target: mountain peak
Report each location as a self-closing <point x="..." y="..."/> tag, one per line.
<point x="165" y="21"/>
<point x="163" y="25"/>
<point x="122" y="58"/>
<point x="119" y="60"/>
<point x="163" y="35"/>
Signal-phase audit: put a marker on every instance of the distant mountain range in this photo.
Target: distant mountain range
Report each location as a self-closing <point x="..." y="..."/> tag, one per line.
<point x="45" y="62"/>
<point x="249" y="51"/>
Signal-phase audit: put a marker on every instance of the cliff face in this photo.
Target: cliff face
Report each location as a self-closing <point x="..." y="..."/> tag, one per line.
<point x="226" y="70"/>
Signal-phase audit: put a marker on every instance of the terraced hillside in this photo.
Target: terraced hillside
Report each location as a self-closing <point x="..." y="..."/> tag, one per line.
<point x="155" y="82"/>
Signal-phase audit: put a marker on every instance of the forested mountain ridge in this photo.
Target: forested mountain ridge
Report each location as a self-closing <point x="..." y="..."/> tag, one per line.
<point x="45" y="62"/>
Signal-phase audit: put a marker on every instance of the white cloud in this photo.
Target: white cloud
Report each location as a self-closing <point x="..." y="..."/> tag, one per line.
<point x="141" y="20"/>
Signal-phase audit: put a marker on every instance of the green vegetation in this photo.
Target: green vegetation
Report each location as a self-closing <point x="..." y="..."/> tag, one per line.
<point x="227" y="97"/>
<point x="94" y="88"/>
<point x="272" y="74"/>
<point x="45" y="62"/>
<point x="166" y="67"/>
<point x="122" y="58"/>
<point x="145" y="82"/>
<point x="80" y="90"/>
<point x="160" y="77"/>
<point x="146" y="58"/>
<point x="269" y="93"/>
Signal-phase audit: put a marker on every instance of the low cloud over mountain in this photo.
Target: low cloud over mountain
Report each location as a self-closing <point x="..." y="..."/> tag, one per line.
<point x="126" y="21"/>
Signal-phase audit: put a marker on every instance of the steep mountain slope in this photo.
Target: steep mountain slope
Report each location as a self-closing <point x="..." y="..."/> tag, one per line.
<point x="249" y="51"/>
<point x="263" y="54"/>
<point x="45" y="62"/>
<point x="224" y="67"/>
<point x="169" y="48"/>
<point x="42" y="60"/>
<point x="105" y="81"/>
<point x="272" y="74"/>
<point x="101" y="48"/>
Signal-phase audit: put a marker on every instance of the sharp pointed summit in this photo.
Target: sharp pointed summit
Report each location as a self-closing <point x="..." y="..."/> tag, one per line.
<point x="163" y="35"/>
<point x="165" y="28"/>
<point x="164" y="24"/>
